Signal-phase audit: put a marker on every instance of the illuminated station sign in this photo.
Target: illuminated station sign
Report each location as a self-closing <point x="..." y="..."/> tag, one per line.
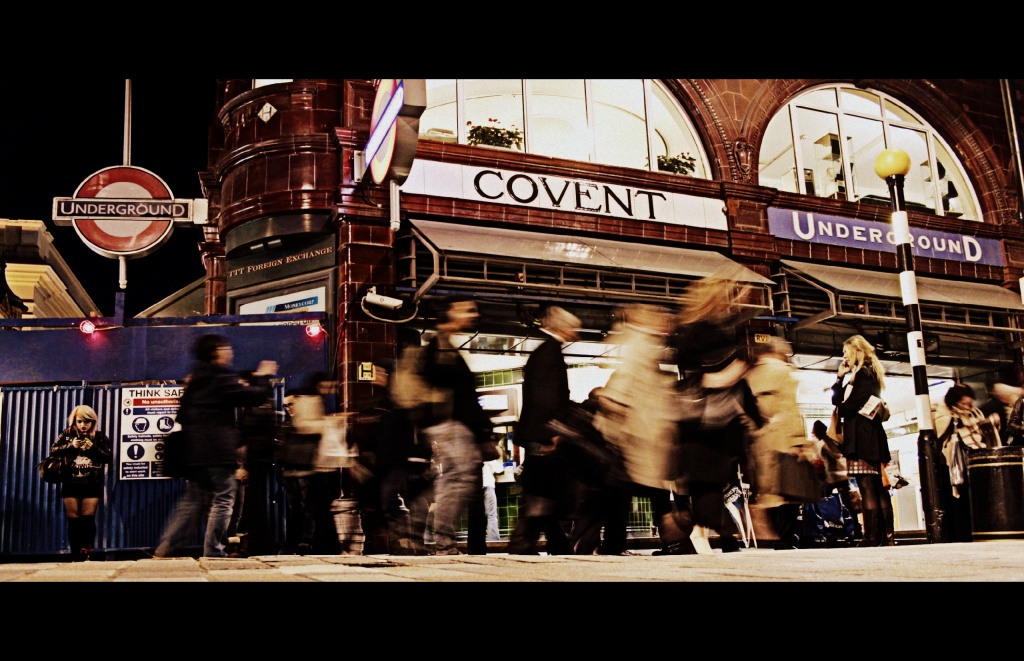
<point x="394" y="129"/>
<point x="125" y="211"/>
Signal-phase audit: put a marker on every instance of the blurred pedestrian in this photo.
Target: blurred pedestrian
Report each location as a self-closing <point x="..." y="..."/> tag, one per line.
<point x="392" y="501"/>
<point x="259" y="426"/>
<point x="604" y="491"/>
<point x="312" y="413"/>
<point x="715" y="432"/>
<point x="1014" y="433"/>
<point x="836" y="476"/>
<point x="638" y="415"/>
<point x="784" y="476"/>
<point x="491" y="469"/>
<point x="459" y="438"/>
<point x="212" y="441"/>
<point x="1001" y="398"/>
<point x="296" y="458"/>
<point x="86" y="450"/>
<point x="865" y="445"/>
<point x="546" y="477"/>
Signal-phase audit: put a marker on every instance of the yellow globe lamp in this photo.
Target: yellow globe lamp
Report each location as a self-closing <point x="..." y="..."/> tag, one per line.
<point x="892" y="161"/>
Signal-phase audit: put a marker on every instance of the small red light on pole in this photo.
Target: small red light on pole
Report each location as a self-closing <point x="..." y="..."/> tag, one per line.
<point x="87" y="327"/>
<point x="314" y="329"/>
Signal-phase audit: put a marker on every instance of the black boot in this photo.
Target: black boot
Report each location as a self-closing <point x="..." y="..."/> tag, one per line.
<point x="88" y="535"/>
<point x="874" y="529"/>
<point x="75" y="539"/>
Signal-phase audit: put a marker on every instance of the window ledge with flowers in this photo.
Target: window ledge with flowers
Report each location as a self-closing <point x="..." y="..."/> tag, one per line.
<point x="679" y="164"/>
<point x="494" y="135"/>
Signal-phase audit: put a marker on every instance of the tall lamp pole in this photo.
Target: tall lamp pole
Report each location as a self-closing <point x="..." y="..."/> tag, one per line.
<point x="892" y="165"/>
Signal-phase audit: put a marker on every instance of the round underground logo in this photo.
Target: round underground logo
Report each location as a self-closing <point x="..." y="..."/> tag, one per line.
<point x="130" y="192"/>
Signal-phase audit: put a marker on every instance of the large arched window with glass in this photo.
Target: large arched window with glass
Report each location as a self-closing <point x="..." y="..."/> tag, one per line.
<point x="625" y="122"/>
<point x="824" y="143"/>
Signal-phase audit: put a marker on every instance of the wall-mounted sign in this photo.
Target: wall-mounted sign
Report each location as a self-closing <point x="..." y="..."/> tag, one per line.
<point x="270" y="265"/>
<point x="147" y="416"/>
<point x="550" y="192"/>
<point x="394" y="128"/>
<point x="307" y="300"/>
<point x="873" y="235"/>
<point x="124" y="211"/>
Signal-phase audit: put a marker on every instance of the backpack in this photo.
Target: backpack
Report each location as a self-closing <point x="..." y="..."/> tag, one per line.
<point x="412" y="394"/>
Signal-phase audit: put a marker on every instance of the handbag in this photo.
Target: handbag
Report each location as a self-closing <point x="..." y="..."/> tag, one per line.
<point x="798" y="480"/>
<point x="711" y="408"/>
<point x="835" y="427"/>
<point x="52" y="468"/>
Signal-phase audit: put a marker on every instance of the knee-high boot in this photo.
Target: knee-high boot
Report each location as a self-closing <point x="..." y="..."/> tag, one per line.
<point x="87" y="532"/>
<point x="74" y="537"/>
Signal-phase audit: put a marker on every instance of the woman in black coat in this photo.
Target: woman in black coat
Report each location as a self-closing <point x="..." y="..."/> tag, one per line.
<point x="865" y="444"/>
<point x="86" y="450"/>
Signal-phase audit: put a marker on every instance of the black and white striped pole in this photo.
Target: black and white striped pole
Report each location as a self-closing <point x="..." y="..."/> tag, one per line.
<point x="892" y="165"/>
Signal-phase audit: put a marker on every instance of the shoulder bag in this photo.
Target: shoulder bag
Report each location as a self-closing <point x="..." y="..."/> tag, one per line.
<point x="52" y="468"/>
<point x="835" y="427"/>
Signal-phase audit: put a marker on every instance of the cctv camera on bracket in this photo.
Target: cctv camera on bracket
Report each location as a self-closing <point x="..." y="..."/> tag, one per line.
<point x="374" y="298"/>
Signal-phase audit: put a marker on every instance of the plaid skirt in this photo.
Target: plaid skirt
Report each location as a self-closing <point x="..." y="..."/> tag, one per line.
<point x="861" y="467"/>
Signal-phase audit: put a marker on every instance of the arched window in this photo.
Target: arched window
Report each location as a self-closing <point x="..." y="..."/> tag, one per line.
<point x="824" y="143"/>
<point x="625" y="122"/>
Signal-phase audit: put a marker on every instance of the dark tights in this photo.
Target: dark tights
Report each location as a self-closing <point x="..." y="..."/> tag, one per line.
<point x="876" y="508"/>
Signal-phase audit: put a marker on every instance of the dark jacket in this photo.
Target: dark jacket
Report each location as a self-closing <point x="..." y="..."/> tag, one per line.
<point x="84" y="466"/>
<point x="862" y="438"/>
<point x="545" y="392"/>
<point x="208" y="411"/>
<point x="710" y="347"/>
<point x="444" y="367"/>
<point x="259" y="426"/>
<point x="545" y="395"/>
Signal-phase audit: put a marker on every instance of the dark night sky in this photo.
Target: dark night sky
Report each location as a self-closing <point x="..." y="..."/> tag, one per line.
<point x="53" y="140"/>
<point x="58" y="126"/>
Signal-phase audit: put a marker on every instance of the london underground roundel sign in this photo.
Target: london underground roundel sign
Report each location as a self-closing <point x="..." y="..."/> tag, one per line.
<point x="122" y="211"/>
<point x="394" y="128"/>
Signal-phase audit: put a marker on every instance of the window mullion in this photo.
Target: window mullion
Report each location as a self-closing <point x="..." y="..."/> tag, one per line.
<point x="527" y="93"/>
<point x="461" y="129"/>
<point x="652" y="162"/>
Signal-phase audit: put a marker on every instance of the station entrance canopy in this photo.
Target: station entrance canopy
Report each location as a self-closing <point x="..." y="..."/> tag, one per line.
<point x="964" y="323"/>
<point x="517" y="266"/>
<point x="816" y="292"/>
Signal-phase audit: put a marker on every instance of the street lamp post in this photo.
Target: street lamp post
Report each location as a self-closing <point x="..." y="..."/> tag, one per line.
<point x="892" y="165"/>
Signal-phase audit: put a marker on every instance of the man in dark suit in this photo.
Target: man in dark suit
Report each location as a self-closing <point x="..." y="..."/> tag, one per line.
<point x="546" y="477"/>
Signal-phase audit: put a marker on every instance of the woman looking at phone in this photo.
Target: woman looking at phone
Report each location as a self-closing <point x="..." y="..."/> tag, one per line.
<point x="87" y="450"/>
<point x="865" y="445"/>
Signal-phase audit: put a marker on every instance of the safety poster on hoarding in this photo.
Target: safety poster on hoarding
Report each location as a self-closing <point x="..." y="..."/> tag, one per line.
<point x="147" y="416"/>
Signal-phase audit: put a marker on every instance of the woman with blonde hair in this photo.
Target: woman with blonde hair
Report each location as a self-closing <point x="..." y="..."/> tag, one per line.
<point x="86" y="451"/>
<point x="865" y="445"/>
<point x="712" y="362"/>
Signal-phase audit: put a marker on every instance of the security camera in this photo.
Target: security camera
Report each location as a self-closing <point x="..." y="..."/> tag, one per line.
<point x="384" y="301"/>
